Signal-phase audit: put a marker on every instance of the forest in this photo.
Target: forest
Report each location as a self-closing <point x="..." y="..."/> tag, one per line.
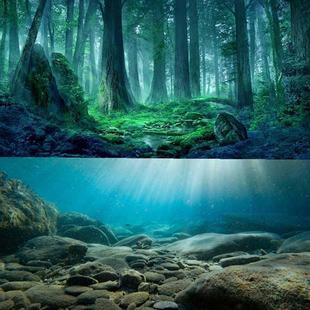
<point x="160" y="78"/>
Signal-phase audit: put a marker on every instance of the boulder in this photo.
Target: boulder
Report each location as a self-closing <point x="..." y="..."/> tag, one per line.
<point x="228" y="130"/>
<point x="40" y="85"/>
<point x="52" y="248"/>
<point x="296" y="244"/>
<point x="205" y="246"/>
<point x="280" y="282"/>
<point x="69" y="88"/>
<point x="76" y="219"/>
<point x="88" y="234"/>
<point x="23" y="215"/>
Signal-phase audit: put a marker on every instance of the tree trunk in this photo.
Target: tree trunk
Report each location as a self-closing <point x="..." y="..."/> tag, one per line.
<point x="79" y="38"/>
<point x="181" y="79"/>
<point x="116" y="95"/>
<point x="133" y="72"/>
<point x="23" y="64"/>
<point x="93" y="65"/>
<point x="159" y="88"/>
<point x="215" y="54"/>
<point x="3" y="39"/>
<point x="252" y="31"/>
<point x="69" y="30"/>
<point x="300" y="21"/>
<point x="14" y="50"/>
<point x="245" y="96"/>
<point x="28" y="12"/>
<point x="194" y="49"/>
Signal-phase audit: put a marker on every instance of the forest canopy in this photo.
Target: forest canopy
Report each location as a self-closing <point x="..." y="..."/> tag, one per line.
<point x="98" y="57"/>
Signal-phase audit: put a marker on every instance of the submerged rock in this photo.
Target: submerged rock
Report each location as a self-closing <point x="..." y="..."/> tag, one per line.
<point x="296" y="244"/>
<point x="279" y="282"/>
<point x="228" y="130"/>
<point x="52" y="248"/>
<point x="208" y="245"/>
<point x="23" y="215"/>
<point x="139" y="241"/>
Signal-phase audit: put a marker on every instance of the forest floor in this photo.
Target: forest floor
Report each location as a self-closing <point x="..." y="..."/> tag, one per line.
<point x="175" y="130"/>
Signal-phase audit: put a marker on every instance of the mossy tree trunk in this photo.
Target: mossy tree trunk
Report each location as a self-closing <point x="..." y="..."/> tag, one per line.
<point x="300" y="21"/>
<point x="215" y="53"/>
<point x="3" y="40"/>
<point x="159" y="88"/>
<point x="181" y="79"/>
<point x="116" y="94"/>
<point x="19" y="76"/>
<point x="244" y="85"/>
<point x="252" y="36"/>
<point x="14" y="50"/>
<point x="69" y="30"/>
<point x="194" y="48"/>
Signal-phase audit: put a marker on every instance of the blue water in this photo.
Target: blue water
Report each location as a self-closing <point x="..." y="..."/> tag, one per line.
<point x="128" y="191"/>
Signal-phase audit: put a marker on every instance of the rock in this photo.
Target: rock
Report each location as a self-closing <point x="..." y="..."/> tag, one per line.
<point x="19" y="298"/>
<point x="52" y="296"/>
<point x="109" y="233"/>
<point x="132" y="279"/>
<point x="90" y="297"/>
<point x="88" y="234"/>
<point x="181" y="235"/>
<point x="137" y="298"/>
<point x="173" y="287"/>
<point x="279" y="282"/>
<point x="77" y="290"/>
<point x="80" y="280"/>
<point x="154" y="277"/>
<point x="6" y="304"/>
<point x="17" y="275"/>
<point x="170" y="266"/>
<point x="23" y="215"/>
<point x="52" y="248"/>
<point x="205" y="246"/>
<point x="106" y="304"/>
<point x="18" y="285"/>
<point x="89" y="269"/>
<point x="139" y="241"/>
<point x="296" y="244"/>
<point x="108" y="285"/>
<point x="239" y="260"/>
<point x="165" y="305"/>
<point x="228" y="130"/>
<point x="76" y="219"/>
<point x="69" y="88"/>
<point x="108" y="275"/>
<point x="217" y="258"/>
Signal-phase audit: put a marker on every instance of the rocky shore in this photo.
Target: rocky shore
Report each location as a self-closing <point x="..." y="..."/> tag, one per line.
<point x="74" y="262"/>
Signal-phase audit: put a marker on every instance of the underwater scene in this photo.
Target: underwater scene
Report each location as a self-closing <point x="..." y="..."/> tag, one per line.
<point x="154" y="234"/>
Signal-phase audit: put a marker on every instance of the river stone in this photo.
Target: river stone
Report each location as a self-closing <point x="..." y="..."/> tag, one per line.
<point x="279" y="282"/>
<point x="6" y="304"/>
<point x="154" y="277"/>
<point x="19" y="298"/>
<point x="80" y="280"/>
<point x="23" y="215"/>
<point x="18" y="285"/>
<point x="217" y="258"/>
<point x="17" y="275"/>
<point x="239" y="260"/>
<point x="132" y="279"/>
<point x="141" y="241"/>
<point x="77" y="290"/>
<point x="138" y="298"/>
<point x="228" y="130"/>
<point x="205" y="246"/>
<point x="90" y="297"/>
<point x="105" y="304"/>
<point x="51" y="296"/>
<point x="173" y="287"/>
<point x="165" y="305"/>
<point x="296" y="244"/>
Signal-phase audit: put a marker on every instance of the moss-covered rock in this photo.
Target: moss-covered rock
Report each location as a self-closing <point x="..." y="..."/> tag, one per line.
<point x="23" y="215"/>
<point x="69" y="88"/>
<point x="40" y="85"/>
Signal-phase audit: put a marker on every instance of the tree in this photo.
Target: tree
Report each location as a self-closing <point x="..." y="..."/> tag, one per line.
<point x="3" y="39"/>
<point x="14" y="50"/>
<point x="215" y="53"/>
<point x="194" y="49"/>
<point x="69" y="30"/>
<point x="245" y="96"/>
<point x="116" y="94"/>
<point x="300" y="21"/>
<point x="159" y="88"/>
<point x="252" y="35"/>
<point x="20" y="72"/>
<point x="181" y="64"/>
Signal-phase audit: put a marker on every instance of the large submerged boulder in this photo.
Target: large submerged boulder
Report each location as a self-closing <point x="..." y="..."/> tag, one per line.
<point x="228" y="130"/>
<point x="280" y="282"/>
<point x="23" y="215"/>
<point x="296" y="244"/>
<point x="208" y="245"/>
